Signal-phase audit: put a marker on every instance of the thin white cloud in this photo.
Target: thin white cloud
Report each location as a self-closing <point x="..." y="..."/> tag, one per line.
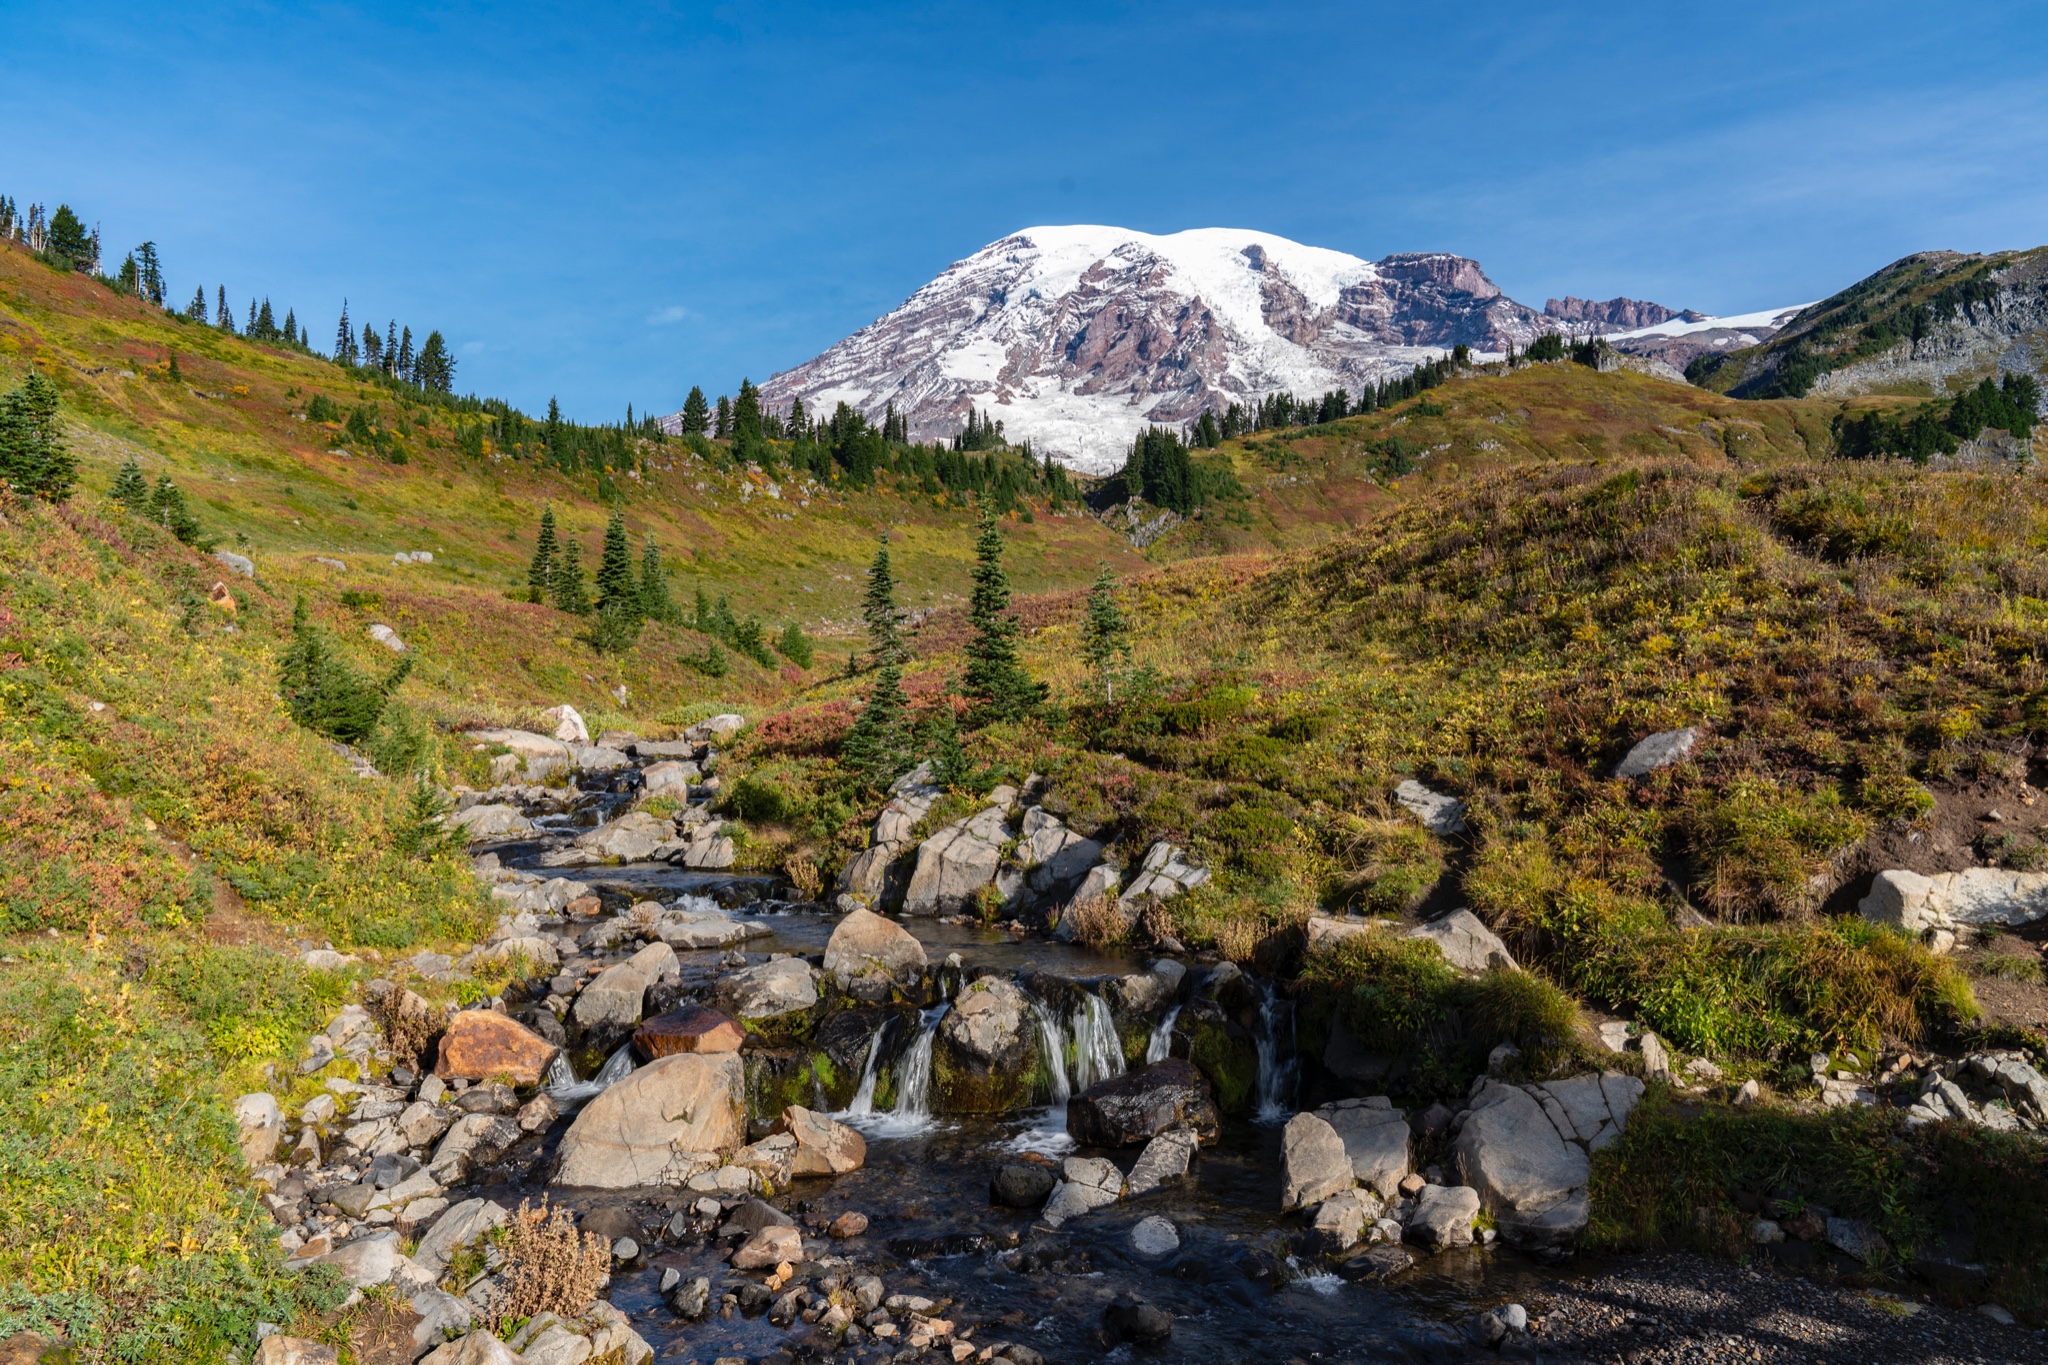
<point x="662" y="317"/>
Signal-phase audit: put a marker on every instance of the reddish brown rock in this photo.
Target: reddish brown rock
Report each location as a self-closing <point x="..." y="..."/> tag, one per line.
<point x="852" y="1223"/>
<point x="583" y="907"/>
<point x="482" y="1044"/>
<point x="824" y="1146"/>
<point x="691" y="1028"/>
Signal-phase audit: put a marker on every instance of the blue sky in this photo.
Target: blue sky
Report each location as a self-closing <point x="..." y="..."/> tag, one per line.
<point x="611" y="202"/>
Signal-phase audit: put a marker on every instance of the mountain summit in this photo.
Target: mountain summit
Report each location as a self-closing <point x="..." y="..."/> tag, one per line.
<point x="1078" y="337"/>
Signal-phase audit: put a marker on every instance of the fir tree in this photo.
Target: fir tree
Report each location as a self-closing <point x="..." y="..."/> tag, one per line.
<point x="405" y="356"/>
<point x="885" y="639"/>
<point x="723" y="427"/>
<point x="655" y="603"/>
<point x="794" y="646"/>
<point x="249" y="328"/>
<point x="540" y="574"/>
<point x="696" y="413"/>
<point x="616" y="590"/>
<point x="130" y="489"/>
<point x="875" y="749"/>
<point x="266" y="322"/>
<point x="291" y="328"/>
<point x="995" y="680"/>
<point x="167" y="509"/>
<point x="324" y="692"/>
<point x="434" y="368"/>
<point x="196" y="310"/>
<point x="746" y="413"/>
<point x="391" y="347"/>
<point x="129" y="280"/>
<point x="1105" y="636"/>
<point x="569" y="593"/>
<point x="344" y="338"/>
<point x="222" y="318"/>
<point x="33" y="459"/>
<point x="68" y="238"/>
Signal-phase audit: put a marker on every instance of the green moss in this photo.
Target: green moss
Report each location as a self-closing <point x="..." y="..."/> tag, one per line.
<point x="958" y="1088"/>
<point x="1231" y="1064"/>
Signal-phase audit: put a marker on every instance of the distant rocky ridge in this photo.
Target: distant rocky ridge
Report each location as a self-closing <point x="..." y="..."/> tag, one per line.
<point x="1077" y="337"/>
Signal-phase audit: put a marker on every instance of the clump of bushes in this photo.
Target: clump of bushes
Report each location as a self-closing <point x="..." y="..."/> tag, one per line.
<point x="550" y="1266"/>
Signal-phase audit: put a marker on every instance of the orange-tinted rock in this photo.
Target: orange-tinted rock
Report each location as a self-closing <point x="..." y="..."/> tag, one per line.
<point x="482" y="1044"/>
<point x="692" y="1028"/>
<point x="852" y="1223"/>
<point x="583" y="907"/>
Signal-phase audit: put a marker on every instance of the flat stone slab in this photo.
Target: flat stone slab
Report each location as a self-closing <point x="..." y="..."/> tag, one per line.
<point x="692" y="1028"/>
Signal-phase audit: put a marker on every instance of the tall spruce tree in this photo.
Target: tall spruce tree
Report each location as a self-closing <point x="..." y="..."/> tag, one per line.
<point x="616" y="589"/>
<point x="344" y="338"/>
<point x="196" y="310"/>
<point x="722" y="428"/>
<point x="655" y="603"/>
<point x="223" y="316"/>
<point x="1105" y="635"/>
<point x="130" y="489"/>
<point x="995" y="682"/>
<point x="568" y="586"/>
<point x="878" y="606"/>
<point x="540" y="574"/>
<point x="696" y="413"/>
<point x="34" y="461"/>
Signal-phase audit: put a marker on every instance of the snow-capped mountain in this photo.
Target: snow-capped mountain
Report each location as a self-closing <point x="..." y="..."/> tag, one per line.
<point x="1078" y="337"/>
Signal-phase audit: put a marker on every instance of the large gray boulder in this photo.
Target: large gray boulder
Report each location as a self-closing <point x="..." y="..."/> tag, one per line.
<point x="1313" y="1162"/>
<point x="260" y="1124"/>
<point x="1089" y="1183"/>
<point x="1948" y="901"/>
<point x="1512" y="1154"/>
<point x="1375" y="1136"/>
<point x="783" y="986"/>
<point x="1163" y="874"/>
<point x="1126" y="1110"/>
<point x="1056" y="858"/>
<point x="495" y="821"/>
<point x="1443" y="1216"/>
<point x="653" y="1127"/>
<point x="1165" y="1158"/>
<point x="615" y="998"/>
<point x="956" y="863"/>
<point x="631" y="838"/>
<point x="986" y="1025"/>
<point x="864" y="943"/>
<point x="459" y="1226"/>
<point x="1466" y="942"/>
<point x="689" y="930"/>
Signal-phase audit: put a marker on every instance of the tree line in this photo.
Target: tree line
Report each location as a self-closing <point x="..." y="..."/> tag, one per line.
<point x="1939" y="428"/>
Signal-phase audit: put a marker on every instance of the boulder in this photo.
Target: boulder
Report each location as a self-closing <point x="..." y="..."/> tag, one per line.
<point x="642" y="1130"/>
<point x="1126" y="1110"/>
<point x="1439" y="814"/>
<point x="824" y="1146"/>
<point x="1088" y="1182"/>
<point x="769" y="989"/>
<point x="694" y="930"/>
<point x="1135" y="1321"/>
<point x="1100" y="883"/>
<point x="279" y="1349"/>
<point x="473" y="1140"/>
<point x="631" y="838"/>
<point x="656" y="962"/>
<point x="491" y="822"/>
<point x="1313" y="1162"/>
<point x="1466" y="942"/>
<point x="1055" y="857"/>
<point x="1342" y="1219"/>
<point x="1154" y="1237"/>
<point x="715" y="729"/>
<point x="864" y="942"/>
<point x="1165" y="1158"/>
<point x="241" y="564"/>
<point x="670" y="777"/>
<point x="481" y="1044"/>
<point x="986" y="1025"/>
<point x="1022" y="1185"/>
<point x="615" y="998"/>
<point x="768" y="1248"/>
<point x="365" y="1262"/>
<point x="1164" y="873"/>
<point x="689" y="1028"/>
<point x="457" y="1228"/>
<point x="1951" y="900"/>
<point x="1512" y="1154"/>
<point x="568" y="723"/>
<point x="1443" y="1216"/>
<point x="540" y="953"/>
<point x="1660" y="750"/>
<point x="478" y="1348"/>
<point x="955" y="863"/>
<point x="1325" y="931"/>
<point x="1375" y="1137"/>
<point x="387" y="637"/>
<point x="260" y="1123"/>
<point x="874" y="876"/>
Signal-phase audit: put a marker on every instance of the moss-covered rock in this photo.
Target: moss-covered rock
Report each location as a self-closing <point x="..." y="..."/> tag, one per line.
<point x="1223" y="1051"/>
<point x="961" y="1087"/>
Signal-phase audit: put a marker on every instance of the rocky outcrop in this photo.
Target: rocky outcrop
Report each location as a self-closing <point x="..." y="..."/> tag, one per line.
<point x="771" y="989"/>
<point x="1375" y="1137"/>
<point x="956" y="863"/>
<point x="647" y="1128"/>
<point x="1053" y="857"/>
<point x="1313" y="1162"/>
<point x="878" y="875"/>
<point x="670" y="777"/>
<point x="483" y="1044"/>
<point x="1126" y="1110"/>
<point x="1948" y="901"/>
<point x="864" y="944"/>
<point x="1163" y="874"/>
<point x="491" y="822"/>
<point x="1466" y="942"/>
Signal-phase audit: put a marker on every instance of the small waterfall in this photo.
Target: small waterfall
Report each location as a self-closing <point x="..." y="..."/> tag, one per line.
<point x="864" y="1098"/>
<point x="1098" y="1054"/>
<point x="1276" y="1058"/>
<point x="1052" y="1049"/>
<point x="1161" y="1045"/>
<point x="914" y="1072"/>
<point x="564" y="1088"/>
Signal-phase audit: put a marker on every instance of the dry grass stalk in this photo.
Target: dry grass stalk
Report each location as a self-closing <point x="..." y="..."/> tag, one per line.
<point x="550" y="1267"/>
<point x="803" y="875"/>
<point x="407" y="1022"/>
<point x="1097" y="921"/>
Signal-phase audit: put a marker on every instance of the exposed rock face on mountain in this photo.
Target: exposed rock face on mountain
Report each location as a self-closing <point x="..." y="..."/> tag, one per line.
<point x="1622" y="314"/>
<point x="1930" y="318"/>
<point x="1077" y="337"/>
<point x="1680" y="339"/>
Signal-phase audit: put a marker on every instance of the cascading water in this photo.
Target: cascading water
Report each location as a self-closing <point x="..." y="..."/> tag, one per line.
<point x="911" y="1114"/>
<point x="1052" y="1050"/>
<point x="1276" y="1057"/>
<point x="564" y="1088"/>
<point x="1098" y="1054"/>
<point x="1161" y="1045"/>
<point x="864" y="1098"/>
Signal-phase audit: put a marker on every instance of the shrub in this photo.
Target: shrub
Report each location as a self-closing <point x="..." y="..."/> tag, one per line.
<point x="1096" y="922"/>
<point x="1759" y="844"/>
<point x="550" y="1266"/>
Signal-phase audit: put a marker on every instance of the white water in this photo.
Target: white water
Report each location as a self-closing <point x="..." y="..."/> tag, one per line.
<point x="1276" y="1062"/>
<point x="1161" y="1045"/>
<point x="1098" y="1055"/>
<point x="564" y="1088"/>
<point x="911" y="1115"/>
<point x="864" y="1098"/>
<point x="1052" y="1049"/>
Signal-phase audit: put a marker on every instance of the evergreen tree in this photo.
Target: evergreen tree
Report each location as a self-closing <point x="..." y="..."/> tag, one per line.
<point x="723" y="427"/>
<point x="696" y="413"/>
<point x="937" y="737"/>
<point x="885" y="640"/>
<point x="68" y="238"/>
<point x="746" y="413"/>
<point x="995" y="680"/>
<point x="291" y="328"/>
<point x="266" y="322"/>
<point x="793" y="646"/>
<point x="616" y="590"/>
<point x="391" y="347"/>
<point x="1105" y="636"/>
<point x="324" y="692"/>
<point x="167" y="509"/>
<point x="33" y="459"/>
<point x="875" y="749"/>
<point x="129" y="280"/>
<point x="540" y="574"/>
<point x="373" y="347"/>
<point x="222" y="317"/>
<point x="655" y="603"/>
<point x="569" y="593"/>
<point x="130" y="489"/>
<point x="249" y="328"/>
<point x="196" y="310"/>
<point x="405" y="356"/>
<point x="344" y="338"/>
<point x="434" y="367"/>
